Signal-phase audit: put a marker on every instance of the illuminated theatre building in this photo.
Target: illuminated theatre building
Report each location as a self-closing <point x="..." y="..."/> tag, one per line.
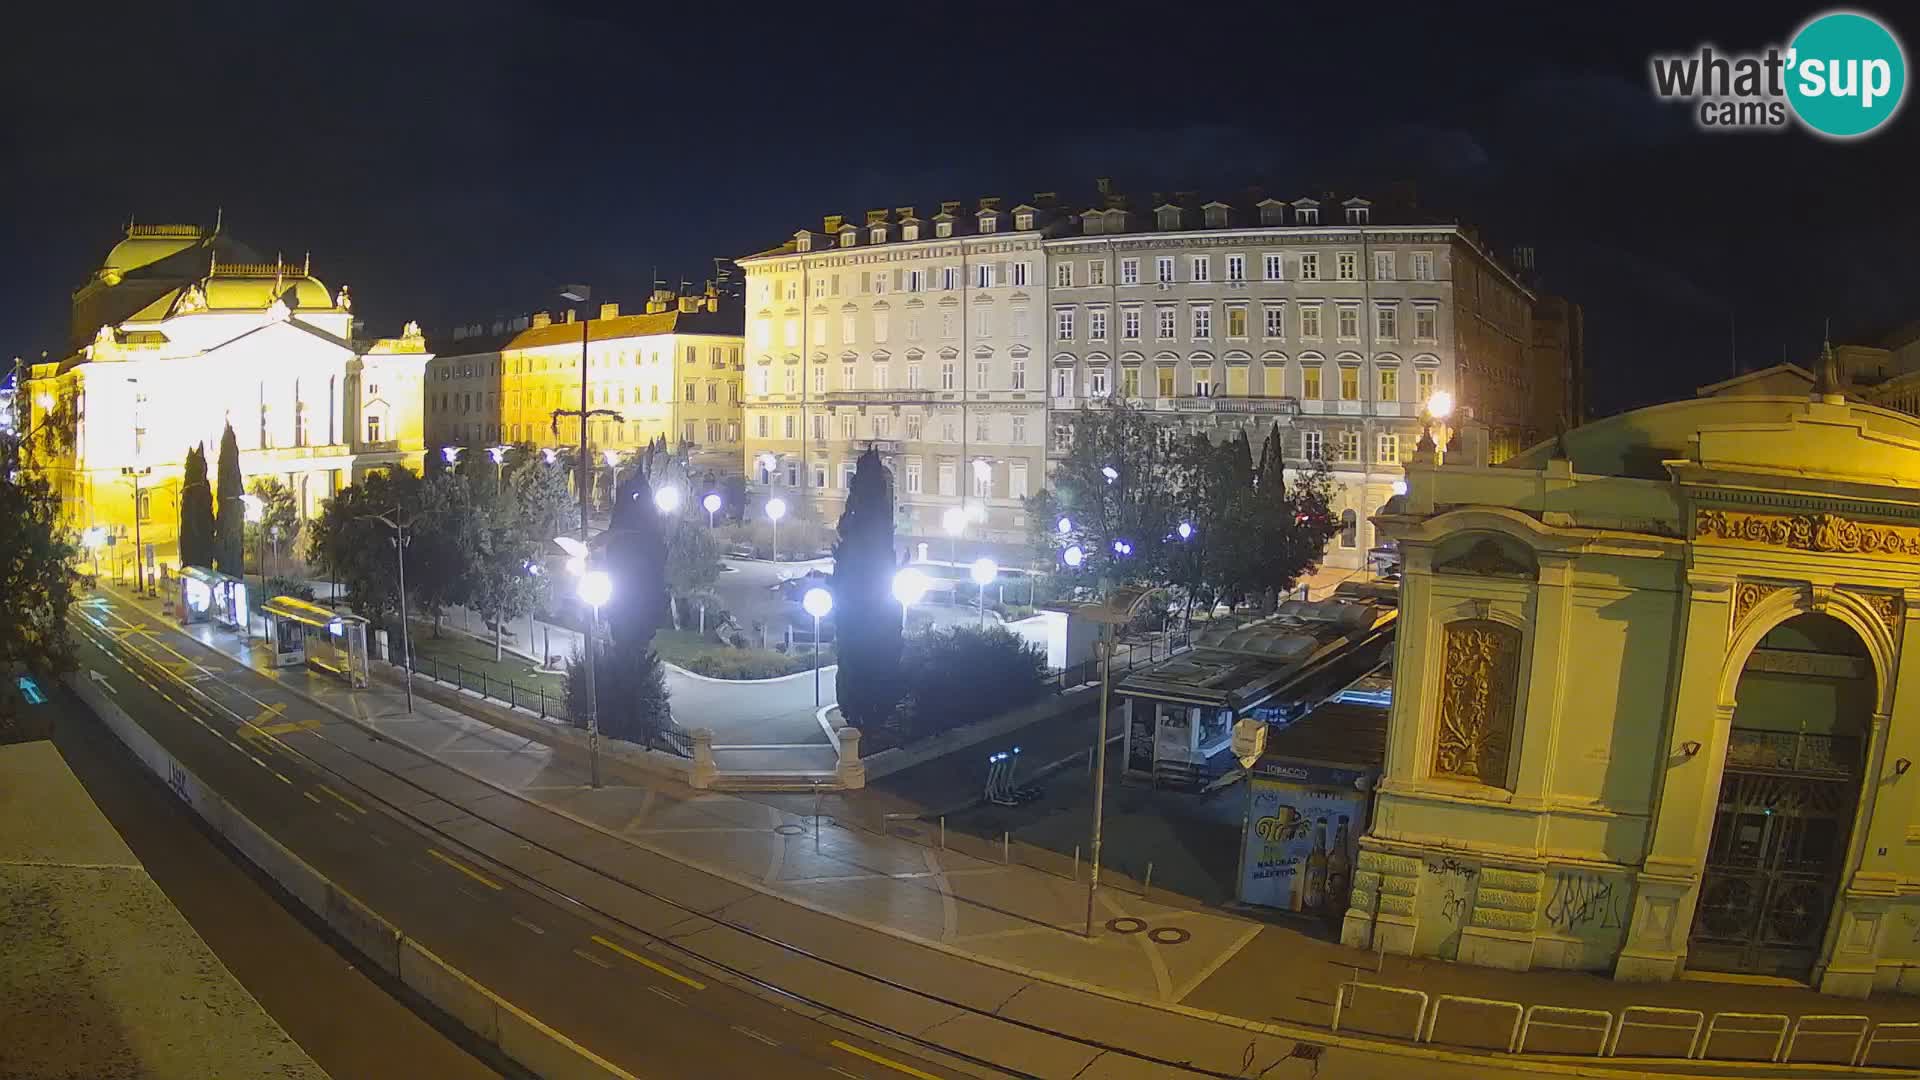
<point x="1652" y="709"/>
<point x="182" y="331"/>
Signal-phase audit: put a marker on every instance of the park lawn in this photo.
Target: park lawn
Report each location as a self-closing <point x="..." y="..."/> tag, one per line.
<point x="476" y="657"/>
<point x="686" y="648"/>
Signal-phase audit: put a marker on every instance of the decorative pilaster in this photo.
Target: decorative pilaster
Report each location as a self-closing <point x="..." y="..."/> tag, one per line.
<point x="1499" y="932"/>
<point x="1380" y="911"/>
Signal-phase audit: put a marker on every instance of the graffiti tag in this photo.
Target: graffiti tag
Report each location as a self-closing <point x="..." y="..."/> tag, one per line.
<point x="1450" y="866"/>
<point x="1583" y="900"/>
<point x="1453" y="906"/>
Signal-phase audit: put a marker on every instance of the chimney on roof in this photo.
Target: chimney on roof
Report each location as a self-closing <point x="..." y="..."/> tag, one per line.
<point x="1103" y="184"/>
<point x="877" y="217"/>
<point x="990" y="202"/>
<point x="831" y="223"/>
<point x="903" y="213"/>
<point x="950" y="206"/>
<point x="1185" y="198"/>
<point x="541" y="318"/>
<point x="689" y="303"/>
<point x="1045" y="200"/>
<point x="569" y="319"/>
<point x="609" y="311"/>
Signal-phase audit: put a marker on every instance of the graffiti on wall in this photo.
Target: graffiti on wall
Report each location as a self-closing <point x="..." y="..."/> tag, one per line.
<point x="1583" y="901"/>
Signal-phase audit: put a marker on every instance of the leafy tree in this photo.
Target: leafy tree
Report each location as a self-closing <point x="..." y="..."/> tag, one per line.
<point x="734" y="496"/>
<point x="544" y="502"/>
<point x="1136" y="505"/>
<point x="693" y="560"/>
<point x="868" y="646"/>
<point x="504" y="582"/>
<point x="446" y="545"/>
<point x="196" y="512"/>
<point x="357" y="551"/>
<point x="279" y="511"/>
<point x="230" y="512"/>
<point x="36" y="577"/>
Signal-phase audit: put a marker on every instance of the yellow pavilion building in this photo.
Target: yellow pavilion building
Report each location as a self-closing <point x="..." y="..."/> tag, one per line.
<point x="182" y="331"/>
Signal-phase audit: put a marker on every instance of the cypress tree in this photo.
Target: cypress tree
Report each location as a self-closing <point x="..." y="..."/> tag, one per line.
<point x="629" y="681"/>
<point x="196" y="511"/>
<point x="230" y="519"/>
<point x="868" y="643"/>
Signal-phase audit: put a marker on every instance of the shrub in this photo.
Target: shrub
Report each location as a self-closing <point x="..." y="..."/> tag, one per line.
<point x="963" y="673"/>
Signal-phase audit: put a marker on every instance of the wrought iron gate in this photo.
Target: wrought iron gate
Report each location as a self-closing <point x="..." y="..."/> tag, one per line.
<point x="1779" y="842"/>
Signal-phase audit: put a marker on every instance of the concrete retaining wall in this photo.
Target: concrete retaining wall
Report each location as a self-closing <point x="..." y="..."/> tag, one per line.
<point x="537" y="1047"/>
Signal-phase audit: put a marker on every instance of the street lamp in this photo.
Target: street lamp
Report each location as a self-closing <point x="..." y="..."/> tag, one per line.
<point x="1185" y="530"/>
<point x="955" y="522"/>
<point x="1439" y="407"/>
<point x="497" y="453"/>
<point x="596" y="588"/>
<point x="818" y="602"/>
<point x="92" y="539"/>
<point x="1399" y="487"/>
<point x="909" y="585"/>
<point x="776" y="509"/>
<point x="550" y="454"/>
<point x="1065" y="525"/>
<point x="712" y="506"/>
<point x="256" y="512"/>
<point x="399" y="540"/>
<point x="983" y="572"/>
<point x="768" y="463"/>
<point x="452" y="454"/>
<point x="667" y="500"/>
<point x="1110" y="473"/>
<point x="1074" y="556"/>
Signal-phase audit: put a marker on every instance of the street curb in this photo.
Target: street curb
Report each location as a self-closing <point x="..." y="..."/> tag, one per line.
<point x="750" y="682"/>
<point x="514" y="1031"/>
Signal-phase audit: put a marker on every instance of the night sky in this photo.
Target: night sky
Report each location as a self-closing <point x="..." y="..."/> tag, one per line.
<point x="454" y="161"/>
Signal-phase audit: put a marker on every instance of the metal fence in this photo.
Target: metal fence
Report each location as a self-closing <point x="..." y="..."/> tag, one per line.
<point x="1128" y="653"/>
<point x="536" y="699"/>
<point x="1641" y="1031"/>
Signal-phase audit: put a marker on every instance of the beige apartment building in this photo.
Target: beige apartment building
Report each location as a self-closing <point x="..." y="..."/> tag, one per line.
<point x="962" y="345"/>
<point x="672" y="371"/>
<point x="919" y="336"/>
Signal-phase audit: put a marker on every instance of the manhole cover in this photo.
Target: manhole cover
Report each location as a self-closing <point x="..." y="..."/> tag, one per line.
<point x="789" y="830"/>
<point x="1169" y="935"/>
<point x="1126" y="924"/>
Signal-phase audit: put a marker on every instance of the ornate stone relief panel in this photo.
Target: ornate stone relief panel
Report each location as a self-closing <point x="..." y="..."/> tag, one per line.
<point x="1808" y="532"/>
<point x="1748" y="595"/>
<point x="1478" y="684"/>
<point x="1885" y="605"/>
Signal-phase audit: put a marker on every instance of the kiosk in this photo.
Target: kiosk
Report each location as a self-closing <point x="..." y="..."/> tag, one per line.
<point x="303" y="632"/>
<point x="210" y="596"/>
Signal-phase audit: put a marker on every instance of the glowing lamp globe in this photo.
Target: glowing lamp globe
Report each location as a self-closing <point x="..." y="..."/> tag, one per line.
<point x="909" y="585"/>
<point x="711" y="502"/>
<point x="1440" y="405"/>
<point x="596" y="588"/>
<point x="984" y="571"/>
<point x="954" y="520"/>
<point x="1186" y="530"/>
<point x="1074" y="556"/>
<point x="776" y="509"/>
<point x="1065" y="525"/>
<point x="817" y="602"/>
<point x="667" y="499"/>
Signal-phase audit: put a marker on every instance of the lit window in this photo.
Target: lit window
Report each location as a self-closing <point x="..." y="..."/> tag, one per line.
<point x="1349" y="384"/>
<point x="1310" y="382"/>
<point x="1389" y="384"/>
<point x="1389" y="448"/>
<point x="1237" y="321"/>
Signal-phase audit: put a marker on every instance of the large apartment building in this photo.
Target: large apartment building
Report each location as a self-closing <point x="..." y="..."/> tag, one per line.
<point x="963" y="345"/>
<point x="671" y="371"/>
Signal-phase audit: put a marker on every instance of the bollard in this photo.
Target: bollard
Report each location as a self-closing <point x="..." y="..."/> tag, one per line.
<point x="943" y="832"/>
<point x="1148" y="883"/>
<point x="816" y="817"/>
<point x="1076" y="862"/>
<point x="1006" y="849"/>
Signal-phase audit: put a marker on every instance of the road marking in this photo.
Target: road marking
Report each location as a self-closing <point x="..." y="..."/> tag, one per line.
<point x="102" y="680"/>
<point x="283" y="778"/>
<point x="467" y="870"/>
<point x="838" y="1071"/>
<point x="343" y="817"/>
<point x="668" y="994"/>
<point x="590" y="958"/>
<point x="522" y="922"/>
<point x="878" y="1060"/>
<point x="643" y="961"/>
<point x="315" y="798"/>
<point x="354" y="806"/>
<point x="754" y="1035"/>
<point x="381" y="840"/>
<point x="260" y="763"/>
<point x="268" y="713"/>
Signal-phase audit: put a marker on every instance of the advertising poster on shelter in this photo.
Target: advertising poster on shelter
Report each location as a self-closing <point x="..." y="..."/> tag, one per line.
<point x="1303" y="828"/>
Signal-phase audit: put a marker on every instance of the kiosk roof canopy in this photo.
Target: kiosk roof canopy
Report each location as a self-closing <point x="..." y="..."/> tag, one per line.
<point x="307" y="612"/>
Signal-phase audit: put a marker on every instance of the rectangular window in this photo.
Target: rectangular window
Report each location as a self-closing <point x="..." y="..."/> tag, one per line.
<point x="916" y="281"/>
<point x="1276" y="322"/>
<point x="914" y="420"/>
<point x="846" y="475"/>
<point x="1203" y="382"/>
<point x="1164" y="319"/>
<point x="982" y="429"/>
<point x="1202" y="323"/>
<point x="1062" y="437"/>
<point x="1389" y="384"/>
<point x="1237" y="321"/>
<point x="1349" y="266"/>
<point x="1349" y="445"/>
<point x="1349" y="383"/>
<point x="760" y="426"/>
<point x="1270" y="266"/>
<point x="913" y="476"/>
<point x="1018" y="379"/>
<point x="1310" y="321"/>
<point x="820" y="427"/>
<point x="1163" y="381"/>
<point x="1129" y="381"/>
<point x="1130" y="324"/>
<point x="1129" y="271"/>
<point x="880" y="325"/>
<point x="849" y="379"/>
<point x="983" y="276"/>
<point x="1063" y="274"/>
<point x="1310" y="382"/>
<point x="1163" y="269"/>
<point x="1202" y="267"/>
<point x="848" y="332"/>
<point x="1063" y="382"/>
<point x="819" y="379"/>
<point x="1097" y="272"/>
<point x="947" y="375"/>
<point x="1425" y="323"/>
<point x="1019" y="434"/>
<point x="1063" y="324"/>
<point x="792" y="379"/>
<point x="1017" y="480"/>
<point x="1236" y="268"/>
<point x="983" y="323"/>
<point x="373" y="429"/>
<point x="1386" y="322"/>
<point x="713" y="431"/>
<point x="1310" y="266"/>
<point x="1348" y="326"/>
<point x="1019" y="273"/>
<point x="1423" y="384"/>
<point x="948" y="433"/>
<point x="686" y="432"/>
<point x="1019" y="322"/>
<point x="982" y="373"/>
<point x="1423" y="266"/>
<point x="847" y="428"/>
<point x="913" y="375"/>
<point x="1383" y="266"/>
<point x="1310" y="446"/>
<point x="790" y="425"/>
<point x="1097" y="324"/>
<point x="982" y="483"/>
<point x="1388" y="449"/>
<point x="879" y="376"/>
<point x="819" y="333"/>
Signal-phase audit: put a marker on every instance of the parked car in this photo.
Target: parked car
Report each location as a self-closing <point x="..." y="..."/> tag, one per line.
<point x="795" y="588"/>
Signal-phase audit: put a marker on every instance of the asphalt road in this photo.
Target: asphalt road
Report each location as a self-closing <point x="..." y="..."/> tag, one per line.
<point x="608" y="991"/>
<point x="349" y="1016"/>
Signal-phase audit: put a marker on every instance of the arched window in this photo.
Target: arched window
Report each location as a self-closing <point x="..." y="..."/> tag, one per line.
<point x="1349" y="528"/>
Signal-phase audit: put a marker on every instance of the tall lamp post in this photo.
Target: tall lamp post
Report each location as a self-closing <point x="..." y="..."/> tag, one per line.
<point x="776" y="509"/>
<point x="580" y="294"/>
<point x="1117" y="609"/>
<point x="711" y="504"/>
<point x="399" y="540"/>
<point x="139" y="550"/>
<point x="954" y="521"/>
<point x="256" y="512"/>
<point x="596" y="588"/>
<point x="983" y="572"/>
<point x="818" y="602"/>
<point x="909" y="585"/>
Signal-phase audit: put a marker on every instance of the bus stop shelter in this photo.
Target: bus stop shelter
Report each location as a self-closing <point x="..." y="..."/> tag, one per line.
<point x="210" y="596"/>
<point x="303" y="632"/>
